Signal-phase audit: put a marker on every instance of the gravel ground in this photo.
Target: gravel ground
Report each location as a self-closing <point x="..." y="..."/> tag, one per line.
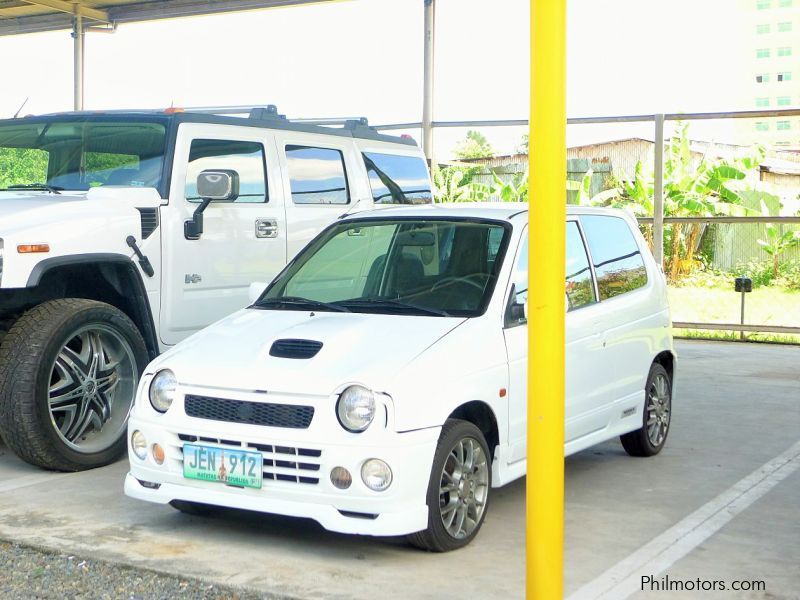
<point x="28" y="574"/>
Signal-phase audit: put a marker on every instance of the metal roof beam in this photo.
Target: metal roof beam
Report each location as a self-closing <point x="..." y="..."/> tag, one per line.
<point x="149" y="10"/>
<point x="73" y="8"/>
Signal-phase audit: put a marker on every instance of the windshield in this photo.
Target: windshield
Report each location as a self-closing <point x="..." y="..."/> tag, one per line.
<point x="78" y="155"/>
<point x="432" y="267"/>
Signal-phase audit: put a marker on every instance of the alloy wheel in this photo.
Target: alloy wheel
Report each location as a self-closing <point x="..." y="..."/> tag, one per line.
<point x="464" y="488"/>
<point x="92" y="388"/>
<point x="659" y="406"/>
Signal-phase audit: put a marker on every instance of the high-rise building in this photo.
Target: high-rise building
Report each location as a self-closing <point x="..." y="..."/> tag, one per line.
<point x="770" y="41"/>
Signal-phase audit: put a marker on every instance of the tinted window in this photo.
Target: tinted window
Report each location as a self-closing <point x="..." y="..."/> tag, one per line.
<point x="246" y="158"/>
<point x="317" y="175"/>
<point x="398" y="179"/>
<point x="579" y="284"/>
<point x="617" y="261"/>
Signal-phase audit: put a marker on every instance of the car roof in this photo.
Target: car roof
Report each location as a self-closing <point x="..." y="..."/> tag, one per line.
<point x="505" y="211"/>
<point x="357" y="128"/>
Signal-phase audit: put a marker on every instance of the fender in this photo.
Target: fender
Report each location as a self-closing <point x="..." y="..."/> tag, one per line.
<point x="143" y="316"/>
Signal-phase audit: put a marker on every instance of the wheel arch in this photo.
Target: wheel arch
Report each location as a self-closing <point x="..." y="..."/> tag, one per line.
<point x="667" y="360"/>
<point x="109" y="278"/>
<point x="480" y="414"/>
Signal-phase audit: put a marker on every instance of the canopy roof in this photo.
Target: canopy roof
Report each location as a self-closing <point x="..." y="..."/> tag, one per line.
<point x="31" y="16"/>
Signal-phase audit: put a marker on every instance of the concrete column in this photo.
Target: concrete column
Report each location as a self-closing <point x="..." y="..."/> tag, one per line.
<point x="78" y="37"/>
<point x="427" y="102"/>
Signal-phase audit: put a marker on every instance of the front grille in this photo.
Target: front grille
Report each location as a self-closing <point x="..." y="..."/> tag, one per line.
<point x="290" y="416"/>
<point x="281" y="463"/>
<point x="295" y="348"/>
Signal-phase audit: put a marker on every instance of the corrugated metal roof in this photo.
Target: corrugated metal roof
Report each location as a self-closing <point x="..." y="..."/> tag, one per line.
<point x="31" y="16"/>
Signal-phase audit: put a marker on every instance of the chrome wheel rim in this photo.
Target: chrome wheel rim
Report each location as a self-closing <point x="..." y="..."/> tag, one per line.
<point x="659" y="407"/>
<point x="92" y="388"/>
<point x="463" y="488"/>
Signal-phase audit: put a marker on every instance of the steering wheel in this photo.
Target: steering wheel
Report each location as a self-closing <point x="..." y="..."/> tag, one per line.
<point x="450" y="280"/>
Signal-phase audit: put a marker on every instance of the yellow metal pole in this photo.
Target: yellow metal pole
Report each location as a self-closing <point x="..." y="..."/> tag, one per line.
<point x="547" y="172"/>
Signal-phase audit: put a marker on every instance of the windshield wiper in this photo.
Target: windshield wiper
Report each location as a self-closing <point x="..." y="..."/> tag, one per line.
<point x="35" y="186"/>
<point x="394" y="304"/>
<point x="299" y="302"/>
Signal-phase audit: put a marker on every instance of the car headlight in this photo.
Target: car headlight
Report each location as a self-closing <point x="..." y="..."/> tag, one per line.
<point x="356" y="408"/>
<point x="162" y="390"/>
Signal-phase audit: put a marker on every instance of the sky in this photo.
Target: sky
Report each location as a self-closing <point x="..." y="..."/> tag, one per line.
<point x="364" y="58"/>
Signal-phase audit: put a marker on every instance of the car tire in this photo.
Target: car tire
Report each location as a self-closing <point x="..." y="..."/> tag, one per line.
<point x="657" y="416"/>
<point x="195" y="509"/>
<point x="455" y="516"/>
<point x="68" y="375"/>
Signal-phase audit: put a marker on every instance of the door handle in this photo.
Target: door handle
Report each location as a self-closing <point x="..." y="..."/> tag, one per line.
<point x="266" y="228"/>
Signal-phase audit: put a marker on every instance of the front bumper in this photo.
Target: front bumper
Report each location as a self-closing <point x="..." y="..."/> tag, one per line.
<point x="296" y="474"/>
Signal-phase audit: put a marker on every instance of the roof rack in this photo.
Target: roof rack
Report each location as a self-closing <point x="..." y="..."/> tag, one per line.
<point x="270" y="111"/>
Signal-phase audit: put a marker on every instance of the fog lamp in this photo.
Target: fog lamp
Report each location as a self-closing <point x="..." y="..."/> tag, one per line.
<point x="139" y="444"/>
<point x="341" y="478"/>
<point x="376" y="475"/>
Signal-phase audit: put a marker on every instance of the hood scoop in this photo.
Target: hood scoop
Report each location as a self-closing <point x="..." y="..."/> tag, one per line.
<point x="295" y="348"/>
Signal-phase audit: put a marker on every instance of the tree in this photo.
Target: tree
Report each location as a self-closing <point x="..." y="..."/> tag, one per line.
<point x="692" y="188"/>
<point x="523" y="145"/>
<point x="475" y="145"/>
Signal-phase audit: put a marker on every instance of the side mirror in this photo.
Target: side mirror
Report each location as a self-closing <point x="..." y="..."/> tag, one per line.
<point x="214" y="185"/>
<point x="517" y="308"/>
<point x="256" y="289"/>
<point x="220" y="185"/>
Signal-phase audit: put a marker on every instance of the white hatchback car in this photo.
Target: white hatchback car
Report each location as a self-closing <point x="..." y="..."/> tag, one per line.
<point x="378" y="385"/>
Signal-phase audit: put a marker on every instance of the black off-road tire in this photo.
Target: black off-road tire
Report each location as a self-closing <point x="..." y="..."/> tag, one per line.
<point x="27" y="354"/>
<point x="436" y="538"/>
<point x="638" y="443"/>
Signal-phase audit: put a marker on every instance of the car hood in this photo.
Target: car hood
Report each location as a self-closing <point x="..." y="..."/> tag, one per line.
<point x="27" y="211"/>
<point x="30" y="204"/>
<point x="356" y="348"/>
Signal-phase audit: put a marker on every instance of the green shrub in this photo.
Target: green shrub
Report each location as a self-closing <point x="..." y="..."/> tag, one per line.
<point x="789" y="276"/>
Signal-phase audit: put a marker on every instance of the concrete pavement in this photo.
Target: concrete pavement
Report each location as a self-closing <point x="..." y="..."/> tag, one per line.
<point x="737" y="408"/>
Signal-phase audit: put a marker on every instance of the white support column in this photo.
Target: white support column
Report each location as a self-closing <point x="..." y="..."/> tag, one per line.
<point x="658" y="193"/>
<point x="78" y="36"/>
<point x="427" y="104"/>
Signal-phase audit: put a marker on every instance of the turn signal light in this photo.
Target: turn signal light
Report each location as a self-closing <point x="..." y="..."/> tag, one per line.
<point x="33" y="248"/>
<point x="158" y="454"/>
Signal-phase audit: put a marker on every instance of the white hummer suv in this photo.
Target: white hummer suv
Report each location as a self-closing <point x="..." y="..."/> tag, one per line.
<point x="122" y="233"/>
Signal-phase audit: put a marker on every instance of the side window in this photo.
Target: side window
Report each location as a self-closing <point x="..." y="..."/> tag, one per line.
<point x="246" y="158"/>
<point x="618" y="263"/>
<point x="579" y="284"/>
<point x="396" y="179"/>
<point x="317" y="175"/>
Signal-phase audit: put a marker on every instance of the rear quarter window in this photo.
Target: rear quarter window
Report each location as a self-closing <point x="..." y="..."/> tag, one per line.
<point x="616" y="257"/>
<point x="397" y="179"/>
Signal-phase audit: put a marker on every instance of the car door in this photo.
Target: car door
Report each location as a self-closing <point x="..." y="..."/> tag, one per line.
<point x="242" y="242"/>
<point x="585" y="357"/>
<point x="629" y="316"/>
<point x="323" y="180"/>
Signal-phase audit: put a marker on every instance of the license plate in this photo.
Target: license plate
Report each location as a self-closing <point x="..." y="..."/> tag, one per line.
<point x="232" y="467"/>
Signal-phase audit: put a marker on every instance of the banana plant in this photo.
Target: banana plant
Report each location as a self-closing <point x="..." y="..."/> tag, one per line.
<point x="709" y="186"/>
<point x="777" y="241"/>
